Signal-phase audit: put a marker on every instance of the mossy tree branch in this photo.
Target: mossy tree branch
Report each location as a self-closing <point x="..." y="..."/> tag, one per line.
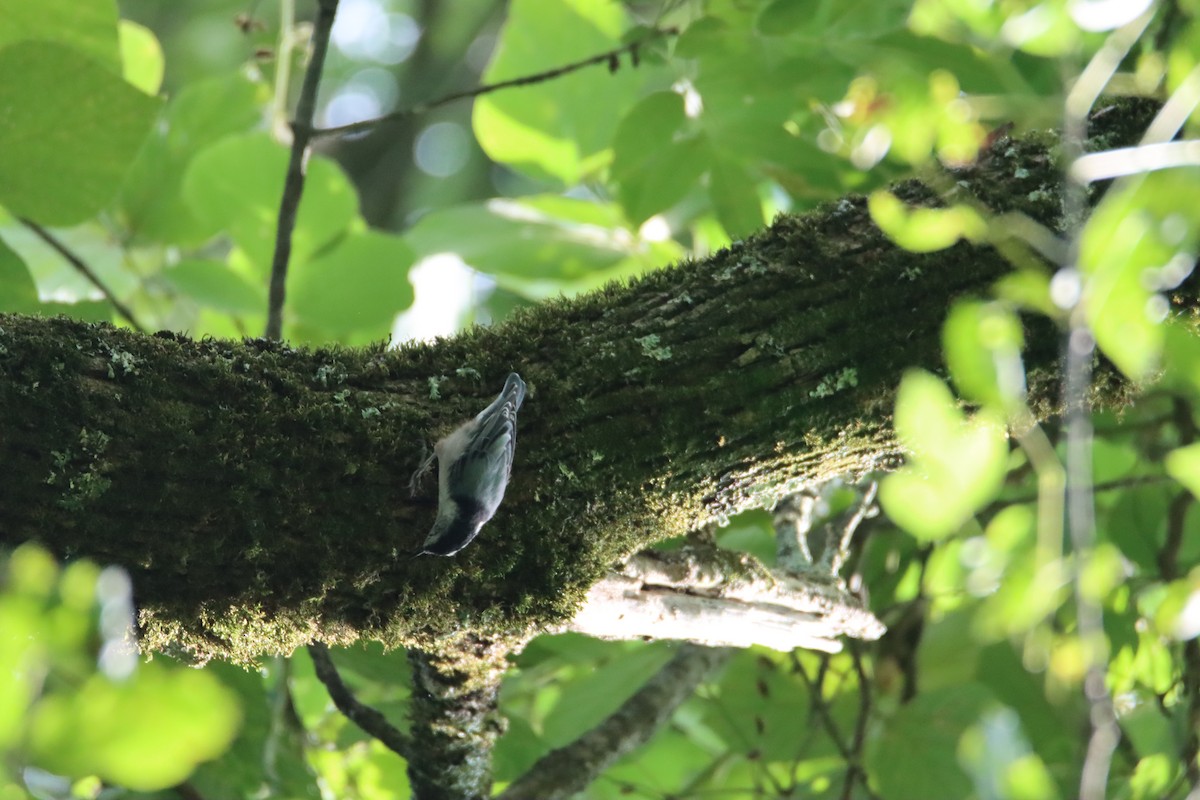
<point x="258" y="492"/>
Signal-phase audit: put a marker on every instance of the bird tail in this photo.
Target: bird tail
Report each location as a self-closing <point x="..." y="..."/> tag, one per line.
<point x="514" y="391"/>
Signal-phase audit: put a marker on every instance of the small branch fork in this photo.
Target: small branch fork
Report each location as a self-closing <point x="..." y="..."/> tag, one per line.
<point x="797" y="515"/>
<point x="852" y="748"/>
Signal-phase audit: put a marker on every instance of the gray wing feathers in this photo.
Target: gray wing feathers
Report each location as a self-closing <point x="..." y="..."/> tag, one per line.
<point x="489" y="454"/>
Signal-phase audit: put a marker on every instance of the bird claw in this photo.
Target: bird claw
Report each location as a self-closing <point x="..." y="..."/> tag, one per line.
<point x="414" y="483"/>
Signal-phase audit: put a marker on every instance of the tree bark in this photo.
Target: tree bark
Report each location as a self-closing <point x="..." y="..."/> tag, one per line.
<point x="258" y="493"/>
<point x="695" y="597"/>
<point x="455" y="721"/>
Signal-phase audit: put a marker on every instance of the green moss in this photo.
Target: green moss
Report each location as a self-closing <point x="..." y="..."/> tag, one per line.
<point x="78" y="471"/>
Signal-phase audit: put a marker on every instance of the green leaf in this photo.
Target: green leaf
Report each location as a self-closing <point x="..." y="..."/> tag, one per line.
<point x="201" y="113"/>
<point x="663" y="178"/>
<point x="1049" y="725"/>
<point x="1027" y="778"/>
<point x="369" y="661"/>
<point x="1183" y="464"/>
<point x="915" y="757"/>
<point x="538" y="237"/>
<point x="595" y="693"/>
<point x="1154" y="776"/>
<point x="782" y="17"/>
<point x="982" y="343"/>
<point x="734" y="195"/>
<point x="141" y="57"/>
<point x="361" y="284"/>
<point x="19" y="624"/>
<point x="18" y="293"/>
<point x="682" y="768"/>
<point x="657" y="160"/>
<point x="1148" y="729"/>
<point x="103" y="728"/>
<point x="956" y="465"/>
<point x="1137" y="523"/>
<point x="558" y="129"/>
<point x="243" y="771"/>
<point x="70" y="130"/>
<point x="56" y="277"/>
<point x="749" y="86"/>
<point x="82" y="310"/>
<point x="924" y="230"/>
<point x="751" y="532"/>
<point x="1181" y="357"/>
<point x="517" y="750"/>
<point x="1054" y="34"/>
<point x="214" y="284"/>
<point x="1027" y="289"/>
<point x="979" y="72"/>
<point x="1141" y="238"/>
<point x="89" y="27"/>
<point x="236" y="184"/>
<point x="759" y="705"/>
<point x="1113" y="459"/>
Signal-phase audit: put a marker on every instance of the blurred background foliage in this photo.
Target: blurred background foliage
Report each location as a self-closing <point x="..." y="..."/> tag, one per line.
<point x="150" y="140"/>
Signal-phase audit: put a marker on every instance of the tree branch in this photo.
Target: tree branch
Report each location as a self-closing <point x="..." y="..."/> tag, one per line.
<point x="609" y="57"/>
<point x="855" y="772"/>
<point x="83" y="269"/>
<point x="454" y="719"/>
<point x="721" y="599"/>
<point x="564" y="772"/>
<point x="655" y="407"/>
<point x="293" y="186"/>
<point x="371" y="721"/>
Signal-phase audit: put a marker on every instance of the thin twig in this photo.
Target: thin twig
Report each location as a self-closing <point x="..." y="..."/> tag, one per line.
<point x="610" y="57"/>
<point x="836" y="556"/>
<point x="81" y="266"/>
<point x="293" y="186"/>
<point x="818" y="706"/>
<point x="854" y="771"/>
<point x="362" y="715"/>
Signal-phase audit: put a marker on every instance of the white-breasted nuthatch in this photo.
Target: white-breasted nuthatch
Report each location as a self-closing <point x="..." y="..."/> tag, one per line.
<point x="474" y="463"/>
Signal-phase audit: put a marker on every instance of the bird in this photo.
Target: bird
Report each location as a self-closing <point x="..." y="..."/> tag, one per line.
<point x="474" y="464"/>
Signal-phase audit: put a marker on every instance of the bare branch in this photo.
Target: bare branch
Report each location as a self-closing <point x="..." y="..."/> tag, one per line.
<point x="81" y="266"/>
<point x="362" y="715"/>
<point x="610" y="57"/>
<point x="854" y="770"/>
<point x="836" y="552"/>
<point x="724" y="600"/>
<point x="564" y="772"/>
<point x="293" y="185"/>
<point x="820" y="708"/>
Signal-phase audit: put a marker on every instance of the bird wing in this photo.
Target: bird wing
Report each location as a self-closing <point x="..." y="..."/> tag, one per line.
<point x="488" y="456"/>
